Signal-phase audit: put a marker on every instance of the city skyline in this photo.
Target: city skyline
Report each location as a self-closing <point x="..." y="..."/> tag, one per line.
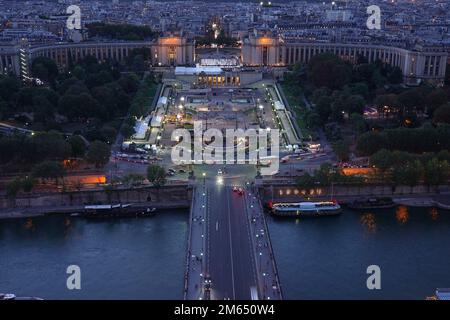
<point x="235" y="151"/>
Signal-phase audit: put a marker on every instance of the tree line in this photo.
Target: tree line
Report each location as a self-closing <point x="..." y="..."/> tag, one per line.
<point x="427" y="138"/>
<point x="126" y="32"/>
<point x="340" y="89"/>
<point x="403" y="168"/>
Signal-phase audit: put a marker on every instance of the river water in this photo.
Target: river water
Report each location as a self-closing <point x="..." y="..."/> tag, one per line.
<point x="144" y="259"/>
<point x="119" y="259"/>
<point x="328" y="258"/>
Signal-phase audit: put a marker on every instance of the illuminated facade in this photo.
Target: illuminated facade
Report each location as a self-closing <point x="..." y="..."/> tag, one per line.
<point x="173" y="51"/>
<point x="166" y="51"/>
<point x="426" y="63"/>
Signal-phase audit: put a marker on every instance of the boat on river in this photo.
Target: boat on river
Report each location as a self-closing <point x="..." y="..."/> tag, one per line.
<point x="115" y="211"/>
<point x="11" y="296"/>
<point x="306" y="209"/>
<point x="372" y="203"/>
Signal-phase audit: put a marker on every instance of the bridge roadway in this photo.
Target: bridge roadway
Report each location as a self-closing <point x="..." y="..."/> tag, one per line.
<point x="228" y="247"/>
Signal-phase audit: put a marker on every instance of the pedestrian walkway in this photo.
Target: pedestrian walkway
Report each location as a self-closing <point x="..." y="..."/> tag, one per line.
<point x="269" y="287"/>
<point x="195" y="262"/>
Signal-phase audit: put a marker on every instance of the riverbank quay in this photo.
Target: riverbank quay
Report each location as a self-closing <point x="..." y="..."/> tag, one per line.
<point x="32" y="212"/>
<point x="421" y="196"/>
<point x="166" y="197"/>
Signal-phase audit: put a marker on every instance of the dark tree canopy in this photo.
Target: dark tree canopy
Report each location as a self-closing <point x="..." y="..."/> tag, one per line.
<point x="98" y="153"/>
<point x="119" y="31"/>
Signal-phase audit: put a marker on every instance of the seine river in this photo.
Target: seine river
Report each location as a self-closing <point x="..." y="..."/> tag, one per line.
<point x="322" y="258"/>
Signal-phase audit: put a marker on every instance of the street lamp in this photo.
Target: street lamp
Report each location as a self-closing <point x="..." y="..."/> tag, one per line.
<point x="260" y="255"/>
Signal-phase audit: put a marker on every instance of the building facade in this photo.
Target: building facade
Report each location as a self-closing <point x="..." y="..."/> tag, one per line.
<point x="166" y="51"/>
<point x="420" y="64"/>
<point x="173" y="51"/>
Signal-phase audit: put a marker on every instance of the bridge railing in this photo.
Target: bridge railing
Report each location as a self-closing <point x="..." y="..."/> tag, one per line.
<point x="188" y="253"/>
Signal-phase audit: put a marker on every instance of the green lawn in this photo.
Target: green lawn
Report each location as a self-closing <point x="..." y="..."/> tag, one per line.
<point x="294" y="95"/>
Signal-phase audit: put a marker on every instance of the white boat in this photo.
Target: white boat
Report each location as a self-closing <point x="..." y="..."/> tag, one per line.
<point x="11" y="296"/>
<point x="7" y="296"/>
<point x="323" y="208"/>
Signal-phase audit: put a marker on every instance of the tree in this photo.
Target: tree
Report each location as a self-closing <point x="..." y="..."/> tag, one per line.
<point x="358" y="123"/>
<point x="408" y="174"/>
<point x="436" y="172"/>
<point x="411" y="99"/>
<point x="78" y="185"/>
<point x="355" y="104"/>
<point x="323" y="176"/>
<point x="323" y="108"/>
<point x="43" y="109"/>
<point x="27" y="184"/>
<point x="78" y="146"/>
<point x="382" y="160"/>
<point x="129" y="83"/>
<point x="306" y="181"/>
<point x="79" y="72"/>
<point x="45" y="69"/>
<point x="138" y="64"/>
<point x="109" y="133"/>
<point x="3" y="108"/>
<point x="370" y="142"/>
<point x="342" y="150"/>
<point x="395" y="76"/>
<point x="313" y="120"/>
<point x="49" y="145"/>
<point x="328" y="70"/>
<point x="442" y="114"/>
<point x="133" y="180"/>
<point x="9" y="86"/>
<point x="119" y="31"/>
<point x="127" y="130"/>
<point x="360" y="89"/>
<point x="436" y="98"/>
<point x="12" y="188"/>
<point x="98" y="154"/>
<point x="80" y="106"/>
<point x="386" y="100"/>
<point x="48" y="170"/>
<point x="319" y="93"/>
<point x="156" y="175"/>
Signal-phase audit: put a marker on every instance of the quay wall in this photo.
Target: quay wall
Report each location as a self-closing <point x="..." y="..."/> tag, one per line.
<point x="291" y="192"/>
<point x="165" y="194"/>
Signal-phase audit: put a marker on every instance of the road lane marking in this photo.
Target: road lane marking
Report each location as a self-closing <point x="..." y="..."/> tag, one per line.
<point x="217" y="225"/>
<point x="231" y="245"/>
